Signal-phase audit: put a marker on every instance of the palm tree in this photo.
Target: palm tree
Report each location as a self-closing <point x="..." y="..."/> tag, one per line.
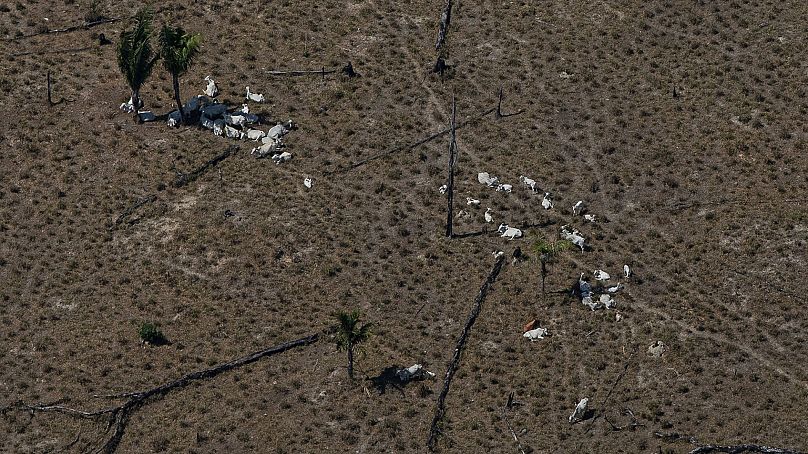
<point x="178" y="50"/>
<point x="548" y="251"/>
<point x="135" y="55"/>
<point x="350" y="334"/>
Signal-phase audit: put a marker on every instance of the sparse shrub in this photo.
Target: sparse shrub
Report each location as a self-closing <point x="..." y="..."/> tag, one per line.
<point x="150" y="334"/>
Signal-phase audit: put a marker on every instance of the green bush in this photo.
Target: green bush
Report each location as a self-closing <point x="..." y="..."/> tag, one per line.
<point x="151" y="334"/>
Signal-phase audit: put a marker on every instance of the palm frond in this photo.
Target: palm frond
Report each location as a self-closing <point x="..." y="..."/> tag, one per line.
<point x="178" y="49"/>
<point x="136" y="57"/>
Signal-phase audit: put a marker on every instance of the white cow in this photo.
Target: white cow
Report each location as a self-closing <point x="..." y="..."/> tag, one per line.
<point x="627" y="271"/>
<point x="535" y="334"/>
<point x="255" y="134"/>
<point x="509" y="232"/>
<point x="580" y="411"/>
<point x="307" y="182"/>
<point x="574" y="237"/>
<point x="174" y="119"/>
<point x="218" y="127"/>
<point x="529" y="182"/>
<point x="206" y="122"/>
<point x="470" y="201"/>
<point x="547" y="201"/>
<point x="590" y="217"/>
<point x="283" y="157"/>
<point x="504" y="187"/>
<point x="607" y="301"/>
<point x="211" y="90"/>
<point x="443" y="189"/>
<point x="488" y="217"/>
<point x="235" y="120"/>
<point x="486" y="179"/>
<point x="601" y="275"/>
<point x="233" y="133"/>
<point x="578" y="208"/>
<point x="414" y="372"/>
<point x="255" y="97"/>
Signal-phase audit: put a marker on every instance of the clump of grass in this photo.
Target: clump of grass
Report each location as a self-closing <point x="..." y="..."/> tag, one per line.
<point x="150" y="334"/>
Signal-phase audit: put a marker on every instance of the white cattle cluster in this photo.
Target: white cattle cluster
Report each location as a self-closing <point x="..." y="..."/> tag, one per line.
<point x="232" y="123"/>
<point x="601" y="296"/>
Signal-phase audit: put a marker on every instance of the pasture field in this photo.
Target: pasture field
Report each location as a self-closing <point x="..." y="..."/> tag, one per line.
<point x="702" y="193"/>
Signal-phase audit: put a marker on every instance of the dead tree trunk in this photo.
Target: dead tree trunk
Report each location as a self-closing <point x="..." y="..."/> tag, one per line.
<point x="498" y="114"/>
<point x="440" y="407"/>
<point x="119" y="416"/>
<point x="452" y="162"/>
<point x="742" y="448"/>
<point x="50" y="101"/>
<point x="185" y="178"/>
<point x="440" y="43"/>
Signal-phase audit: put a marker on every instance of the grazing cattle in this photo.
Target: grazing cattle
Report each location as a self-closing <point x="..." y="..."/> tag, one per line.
<point x="443" y="189"/>
<point x="280" y="129"/>
<point x="504" y="187"/>
<point x="218" y="127"/>
<point x="206" y="122"/>
<point x="547" y="201"/>
<point x="470" y="201"/>
<point x="129" y="107"/>
<point x="580" y="411"/>
<point x="607" y="301"/>
<point x="573" y="237"/>
<point x="535" y="334"/>
<point x="578" y="208"/>
<point x="601" y="275"/>
<point x="509" y="232"/>
<point x="307" y="182"/>
<point x="233" y="133"/>
<point x="584" y="288"/>
<point x="626" y="271"/>
<point x="235" y="120"/>
<point x="254" y="97"/>
<point x="488" y="217"/>
<point x="589" y="217"/>
<point x="283" y="157"/>
<point x="414" y="372"/>
<point x="486" y="179"/>
<point x="211" y="90"/>
<point x="174" y="119"/>
<point x="255" y="134"/>
<point x="614" y="288"/>
<point x="266" y="149"/>
<point x="529" y="183"/>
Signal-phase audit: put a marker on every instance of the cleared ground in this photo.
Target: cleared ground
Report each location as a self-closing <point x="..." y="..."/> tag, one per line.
<point x="703" y="194"/>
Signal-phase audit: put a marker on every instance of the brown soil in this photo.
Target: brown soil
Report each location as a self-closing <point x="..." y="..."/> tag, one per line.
<point x="703" y="194"/>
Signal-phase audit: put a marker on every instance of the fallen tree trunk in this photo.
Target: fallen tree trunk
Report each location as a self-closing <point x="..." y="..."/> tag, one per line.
<point x="440" y="407"/>
<point x="139" y="203"/>
<point x="118" y="416"/>
<point x="443" y="28"/>
<point x="742" y="448"/>
<point x="422" y="141"/>
<point x="185" y="178"/>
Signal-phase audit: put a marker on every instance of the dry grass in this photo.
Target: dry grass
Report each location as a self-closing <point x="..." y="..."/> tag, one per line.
<point x="714" y="280"/>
